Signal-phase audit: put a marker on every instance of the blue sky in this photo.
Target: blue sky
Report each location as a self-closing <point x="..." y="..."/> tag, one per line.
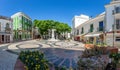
<point x="60" y="10"/>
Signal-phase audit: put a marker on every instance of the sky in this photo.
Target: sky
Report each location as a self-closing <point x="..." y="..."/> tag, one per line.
<point x="58" y="10"/>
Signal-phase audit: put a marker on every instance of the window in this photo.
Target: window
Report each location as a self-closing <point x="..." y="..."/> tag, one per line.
<point x="117" y="38"/>
<point x="91" y="28"/>
<point x="82" y="30"/>
<point x="101" y="26"/>
<point x="118" y="24"/>
<point x="117" y="9"/>
<point x="7" y="25"/>
<point x="77" y="32"/>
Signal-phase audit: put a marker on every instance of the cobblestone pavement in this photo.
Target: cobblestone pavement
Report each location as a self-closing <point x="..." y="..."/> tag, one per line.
<point x="61" y="53"/>
<point x="7" y="60"/>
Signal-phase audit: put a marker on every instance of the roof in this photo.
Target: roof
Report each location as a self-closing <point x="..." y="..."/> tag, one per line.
<point x="103" y="13"/>
<point x="6" y="18"/>
<point x="20" y="13"/>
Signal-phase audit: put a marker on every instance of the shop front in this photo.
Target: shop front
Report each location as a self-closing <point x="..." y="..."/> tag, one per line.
<point x="94" y="38"/>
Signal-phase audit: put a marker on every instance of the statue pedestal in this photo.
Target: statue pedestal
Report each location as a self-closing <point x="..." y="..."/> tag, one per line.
<point x="53" y="36"/>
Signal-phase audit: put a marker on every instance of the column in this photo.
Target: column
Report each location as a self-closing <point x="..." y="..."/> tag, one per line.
<point x="53" y="36"/>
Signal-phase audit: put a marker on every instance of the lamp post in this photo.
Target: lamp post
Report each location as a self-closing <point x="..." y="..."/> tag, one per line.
<point x="113" y="35"/>
<point x="113" y="25"/>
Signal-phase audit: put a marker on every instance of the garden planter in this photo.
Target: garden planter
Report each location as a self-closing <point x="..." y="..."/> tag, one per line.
<point x="112" y="49"/>
<point x="89" y="46"/>
<point x="19" y="65"/>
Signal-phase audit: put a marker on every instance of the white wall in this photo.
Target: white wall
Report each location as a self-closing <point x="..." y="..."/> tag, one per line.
<point x="109" y="18"/>
<point x="78" y="20"/>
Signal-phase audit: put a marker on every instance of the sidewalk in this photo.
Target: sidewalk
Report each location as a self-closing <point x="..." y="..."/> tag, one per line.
<point x="5" y="44"/>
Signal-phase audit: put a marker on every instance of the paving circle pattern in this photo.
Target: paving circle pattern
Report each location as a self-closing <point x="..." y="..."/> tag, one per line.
<point x="57" y="56"/>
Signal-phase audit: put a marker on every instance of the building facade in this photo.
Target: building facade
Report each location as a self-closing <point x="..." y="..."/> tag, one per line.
<point x="78" y="20"/>
<point x="91" y="30"/>
<point x="113" y="23"/>
<point x="5" y="30"/>
<point x="22" y="26"/>
<point x="105" y="28"/>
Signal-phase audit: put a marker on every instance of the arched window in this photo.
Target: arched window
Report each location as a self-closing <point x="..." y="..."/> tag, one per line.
<point x="7" y="25"/>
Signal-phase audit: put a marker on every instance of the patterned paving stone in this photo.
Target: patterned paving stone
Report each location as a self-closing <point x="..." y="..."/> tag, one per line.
<point x="58" y="61"/>
<point x="59" y="53"/>
<point x="66" y="63"/>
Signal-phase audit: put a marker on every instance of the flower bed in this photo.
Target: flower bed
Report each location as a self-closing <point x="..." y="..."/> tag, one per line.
<point x="31" y="60"/>
<point x="95" y="58"/>
<point x="93" y="63"/>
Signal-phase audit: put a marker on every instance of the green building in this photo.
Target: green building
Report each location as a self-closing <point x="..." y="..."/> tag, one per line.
<point x="22" y="26"/>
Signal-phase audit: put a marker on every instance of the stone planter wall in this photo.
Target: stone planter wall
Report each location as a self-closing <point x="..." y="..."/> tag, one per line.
<point x="112" y="49"/>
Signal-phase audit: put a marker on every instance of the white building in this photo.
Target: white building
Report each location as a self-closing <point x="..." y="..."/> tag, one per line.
<point x="78" y="20"/>
<point x="113" y="23"/>
<point x="5" y="30"/>
<point x="104" y="28"/>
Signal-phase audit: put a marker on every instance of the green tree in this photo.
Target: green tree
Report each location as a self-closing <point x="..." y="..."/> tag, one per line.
<point x="44" y="25"/>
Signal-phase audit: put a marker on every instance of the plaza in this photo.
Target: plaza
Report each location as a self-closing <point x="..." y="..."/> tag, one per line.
<point x="42" y="40"/>
<point x="60" y="53"/>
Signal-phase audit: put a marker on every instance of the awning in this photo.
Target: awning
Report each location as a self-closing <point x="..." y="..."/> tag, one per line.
<point x="92" y="35"/>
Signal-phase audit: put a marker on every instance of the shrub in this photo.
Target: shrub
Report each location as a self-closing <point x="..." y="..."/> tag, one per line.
<point x="115" y="56"/>
<point x="34" y="60"/>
